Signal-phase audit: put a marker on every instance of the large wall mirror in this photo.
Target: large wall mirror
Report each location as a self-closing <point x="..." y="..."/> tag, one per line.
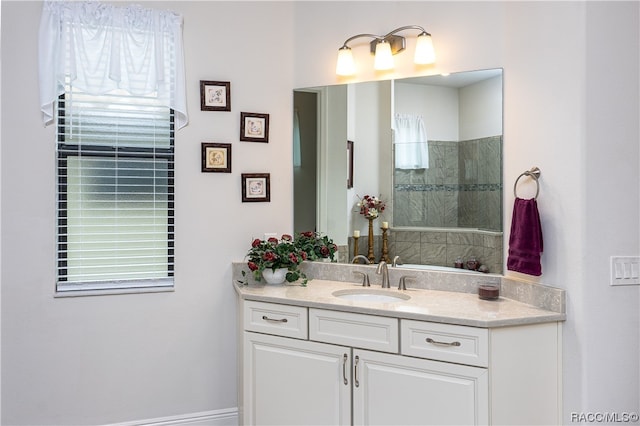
<point x="430" y="147"/>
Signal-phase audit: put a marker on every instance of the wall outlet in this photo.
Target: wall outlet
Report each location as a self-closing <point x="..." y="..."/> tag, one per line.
<point x="625" y="270"/>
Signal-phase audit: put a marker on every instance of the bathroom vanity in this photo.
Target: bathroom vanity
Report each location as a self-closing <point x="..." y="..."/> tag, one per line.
<point x="326" y="354"/>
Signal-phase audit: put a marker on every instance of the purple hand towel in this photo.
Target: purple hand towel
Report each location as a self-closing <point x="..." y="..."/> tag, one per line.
<point x="525" y="241"/>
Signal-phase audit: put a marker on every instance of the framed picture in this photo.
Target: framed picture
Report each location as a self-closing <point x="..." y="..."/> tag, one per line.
<point x="254" y="127"/>
<point x="215" y="95"/>
<point x="256" y="187"/>
<point x="216" y="157"/>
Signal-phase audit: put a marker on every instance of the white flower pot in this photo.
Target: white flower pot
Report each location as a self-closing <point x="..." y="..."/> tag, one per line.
<point x="275" y="277"/>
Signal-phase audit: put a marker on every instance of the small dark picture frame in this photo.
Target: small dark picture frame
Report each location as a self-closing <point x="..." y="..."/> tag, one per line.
<point x="256" y="187"/>
<point x="349" y="164"/>
<point x="254" y="127"/>
<point x="216" y="157"/>
<point x="215" y="95"/>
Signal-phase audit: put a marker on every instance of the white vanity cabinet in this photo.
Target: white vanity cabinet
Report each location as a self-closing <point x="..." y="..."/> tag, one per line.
<point x="399" y="390"/>
<point x="295" y="382"/>
<point x="320" y="366"/>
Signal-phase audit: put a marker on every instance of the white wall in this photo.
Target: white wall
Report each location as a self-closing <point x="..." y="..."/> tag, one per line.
<point x="118" y="358"/>
<point x="481" y="109"/>
<point x="454" y="114"/>
<point x="439" y="106"/>
<point x="97" y="360"/>
<point x="333" y="198"/>
<point x="612" y="199"/>
<point x="370" y="130"/>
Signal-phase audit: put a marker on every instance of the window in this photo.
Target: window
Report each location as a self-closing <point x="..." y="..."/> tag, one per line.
<point x="112" y="79"/>
<point x="115" y="156"/>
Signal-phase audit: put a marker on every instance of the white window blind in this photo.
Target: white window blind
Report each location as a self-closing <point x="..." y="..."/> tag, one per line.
<point x="115" y="191"/>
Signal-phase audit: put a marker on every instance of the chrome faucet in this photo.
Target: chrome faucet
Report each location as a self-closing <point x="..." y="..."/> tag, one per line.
<point x="366" y="261"/>
<point x="396" y="261"/>
<point x="402" y="285"/>
<point x="384" y="270"/>
<point x="365" y="278"/>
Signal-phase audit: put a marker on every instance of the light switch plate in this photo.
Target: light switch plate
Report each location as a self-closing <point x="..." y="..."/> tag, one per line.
<point x="625" y="270"/>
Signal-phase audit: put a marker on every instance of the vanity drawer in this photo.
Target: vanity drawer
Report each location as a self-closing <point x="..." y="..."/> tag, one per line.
<point x="445" y="342"/>
<point x="271" y="318"/>
<point x="355" y="330"/>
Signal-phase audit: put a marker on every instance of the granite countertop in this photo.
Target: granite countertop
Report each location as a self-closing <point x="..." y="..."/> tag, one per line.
<point x="424" y="304"/>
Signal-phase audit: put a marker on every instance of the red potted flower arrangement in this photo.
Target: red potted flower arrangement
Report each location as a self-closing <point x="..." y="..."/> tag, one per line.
<point x="279" y="257"/>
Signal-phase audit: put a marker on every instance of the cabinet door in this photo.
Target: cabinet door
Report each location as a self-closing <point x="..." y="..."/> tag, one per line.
<point x="391" y="389"/>
<point x="295" y="382"/>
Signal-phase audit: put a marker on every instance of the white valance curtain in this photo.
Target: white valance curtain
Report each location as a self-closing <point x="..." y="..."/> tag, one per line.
<point x="101" y="47"/>
<point x="410" y="142"/>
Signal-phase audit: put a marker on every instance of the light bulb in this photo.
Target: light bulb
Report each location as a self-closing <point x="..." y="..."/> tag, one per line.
<point x="424" y="53"/>
<point x="383" y="59"/>
<point x="345" y="65"/>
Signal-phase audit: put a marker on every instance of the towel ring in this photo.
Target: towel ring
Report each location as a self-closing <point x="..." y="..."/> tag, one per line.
<point x="534" y="173"/>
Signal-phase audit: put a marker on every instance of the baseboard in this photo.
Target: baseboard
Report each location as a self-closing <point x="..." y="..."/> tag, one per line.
<point x="225" y="417"/>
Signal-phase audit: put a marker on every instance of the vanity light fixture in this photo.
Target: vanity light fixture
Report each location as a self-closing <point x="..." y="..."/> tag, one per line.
<point x="383" y="59"/>
<point x="384" y="47"/>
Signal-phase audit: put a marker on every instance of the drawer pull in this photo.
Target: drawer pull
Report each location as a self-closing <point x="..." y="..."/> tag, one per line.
<point x="266" y="318"/>
<point x="355" y="372"/>
<point x="344" y="369"/>
<point x="435" y="342"/>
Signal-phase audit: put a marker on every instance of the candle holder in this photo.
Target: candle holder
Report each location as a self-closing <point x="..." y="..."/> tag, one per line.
<point x="385" y="246"/>
<point x="355" y="249"/>
<point x="370" y="255"/>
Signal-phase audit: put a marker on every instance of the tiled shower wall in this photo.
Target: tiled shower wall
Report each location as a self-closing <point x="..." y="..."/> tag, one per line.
<point x="461" y="189"/>
<point x="480" y="174"/>
<point x="436" y="247"/>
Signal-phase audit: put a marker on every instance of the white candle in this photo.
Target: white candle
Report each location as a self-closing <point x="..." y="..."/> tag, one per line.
<point x="356" y="234"/>
<point x="385" y="225"/>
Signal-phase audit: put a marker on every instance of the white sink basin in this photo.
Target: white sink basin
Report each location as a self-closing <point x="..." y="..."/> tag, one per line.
<point x="370" y="295"/>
